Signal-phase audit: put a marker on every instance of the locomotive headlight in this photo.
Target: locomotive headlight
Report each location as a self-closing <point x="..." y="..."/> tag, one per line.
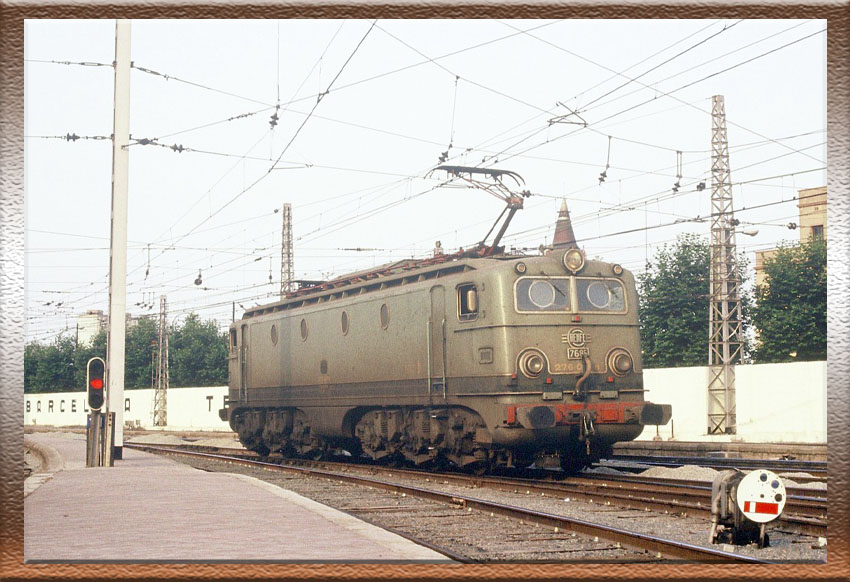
<point x="620" y="362"/>
<point x="532" y="363"/>
<point x="520" y="268"/>
<point x="618" y="270"/>
<point x="574" y="260"/>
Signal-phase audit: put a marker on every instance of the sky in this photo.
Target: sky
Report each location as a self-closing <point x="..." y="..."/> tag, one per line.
<point x="365" y="111"/>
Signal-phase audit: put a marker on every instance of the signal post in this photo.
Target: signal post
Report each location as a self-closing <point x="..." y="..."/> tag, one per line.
<point x="100" y="435"/>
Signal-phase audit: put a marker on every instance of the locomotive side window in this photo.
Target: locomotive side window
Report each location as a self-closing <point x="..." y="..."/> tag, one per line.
<point x="304" y="330"/>
<point x="232" y="339"/>
<point x="385" y="316"/>
<point x="542" y="294"/>
<point x="467" y="302"/>
<point x="274" y="335"/>
<point x="601" y="295"/>
<point x="344" y="323"/>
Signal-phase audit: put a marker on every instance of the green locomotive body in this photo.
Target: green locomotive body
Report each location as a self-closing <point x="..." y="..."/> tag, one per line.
<point x="474" y="361"/>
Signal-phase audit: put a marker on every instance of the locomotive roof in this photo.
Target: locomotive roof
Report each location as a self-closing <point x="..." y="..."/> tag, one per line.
<point x="389" y="275"/>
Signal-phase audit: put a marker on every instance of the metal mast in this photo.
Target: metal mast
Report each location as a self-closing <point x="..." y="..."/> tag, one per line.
<point x="115" y="339"/>
<point x="724" y="339"/>
<point x="287" y="265"/>
<point x="160" y="398"/>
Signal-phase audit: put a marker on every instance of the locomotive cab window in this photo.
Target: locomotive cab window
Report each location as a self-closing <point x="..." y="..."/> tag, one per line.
<point x="542" y="294"/>
<point x="232" y="339"/>
<point x="601" y="295"/>
<point x="467" y="302"/>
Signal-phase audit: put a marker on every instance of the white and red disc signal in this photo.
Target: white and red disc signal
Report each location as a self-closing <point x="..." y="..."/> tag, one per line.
<point x="761" y="496"/>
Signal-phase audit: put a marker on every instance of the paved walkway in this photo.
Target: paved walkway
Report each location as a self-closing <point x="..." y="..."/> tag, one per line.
<point x="152" y="509"/>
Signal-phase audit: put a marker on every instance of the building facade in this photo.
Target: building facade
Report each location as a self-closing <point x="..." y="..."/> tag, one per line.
<point x="92" y="321"/>
<point x="811" y="208"/>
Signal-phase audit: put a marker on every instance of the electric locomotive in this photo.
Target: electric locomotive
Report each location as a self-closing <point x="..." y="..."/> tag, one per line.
<point x="479" y="359"/>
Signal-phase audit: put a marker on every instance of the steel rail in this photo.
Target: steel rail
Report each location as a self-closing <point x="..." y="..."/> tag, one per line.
<point x="661" y="547"/>
<point x="803" y="515"/>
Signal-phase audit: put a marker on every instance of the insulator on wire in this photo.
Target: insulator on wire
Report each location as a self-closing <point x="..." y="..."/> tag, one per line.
<point x="678" y="183"/>
<point x="604" y="173"/>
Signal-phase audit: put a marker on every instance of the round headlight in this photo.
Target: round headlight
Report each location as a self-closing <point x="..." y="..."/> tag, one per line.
<point x="574" y="260"/>
<point x="532" y="363"/>
<point x="520" y="268"/>
<point x="618" y="270"/>
<point x="620" y="362"/>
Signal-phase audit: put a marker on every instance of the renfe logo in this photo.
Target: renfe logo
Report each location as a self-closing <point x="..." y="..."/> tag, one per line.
<point x="577" y="340"/>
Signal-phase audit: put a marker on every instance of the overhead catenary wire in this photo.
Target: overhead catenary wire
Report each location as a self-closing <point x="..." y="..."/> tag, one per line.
<point x="320" y="201"/>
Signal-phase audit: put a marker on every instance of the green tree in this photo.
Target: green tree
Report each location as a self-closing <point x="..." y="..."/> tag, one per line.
<point x="197" y="357"/>
<point x="50" y="368"/>
<point x="198" y="354"/>
<point x="33" y="355"/>
<point x="674" y="310"/>
<point x="790" y="310"/>
<point x="137" y="353"/>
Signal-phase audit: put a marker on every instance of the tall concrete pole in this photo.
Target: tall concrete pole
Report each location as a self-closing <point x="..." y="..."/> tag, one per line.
<point x="118" y="233"/>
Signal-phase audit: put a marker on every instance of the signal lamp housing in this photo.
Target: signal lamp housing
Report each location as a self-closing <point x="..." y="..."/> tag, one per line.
<point x="532" y="363"/>
<point x="620" y="361"/>
<point x="95" y="383"/>
<point x="574" y="260"/>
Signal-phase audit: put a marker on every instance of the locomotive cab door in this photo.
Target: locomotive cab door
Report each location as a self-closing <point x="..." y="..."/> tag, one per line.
<point x="243" y="365"/>
<point x="437" y="343"/>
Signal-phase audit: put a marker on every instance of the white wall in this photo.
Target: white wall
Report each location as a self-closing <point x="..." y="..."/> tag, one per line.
<point x="774" y="403"/>
<point x="189" y="408"/>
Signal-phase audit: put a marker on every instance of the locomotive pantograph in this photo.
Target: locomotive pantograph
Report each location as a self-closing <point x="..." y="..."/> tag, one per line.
<point x="477" y="359"/>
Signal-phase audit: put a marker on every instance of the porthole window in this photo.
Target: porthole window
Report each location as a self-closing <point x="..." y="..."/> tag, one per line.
<point x="344" y="323"/>
<point x="385" y="316"/>
<point x="303" y="329"/>
<point x="274" y="335"/>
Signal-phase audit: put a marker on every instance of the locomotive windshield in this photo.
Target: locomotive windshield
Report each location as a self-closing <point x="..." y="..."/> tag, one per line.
<point x="543" y="294"/>
<point x="600" y="295"/>
<point x="547" y="294"/>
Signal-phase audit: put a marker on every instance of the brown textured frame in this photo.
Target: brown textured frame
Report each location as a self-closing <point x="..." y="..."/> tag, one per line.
<point x="12" y="15"/>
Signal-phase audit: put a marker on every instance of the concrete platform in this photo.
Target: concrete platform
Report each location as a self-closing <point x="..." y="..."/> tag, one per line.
<point x="152" y="509"/>
<point x="750" y="450"/>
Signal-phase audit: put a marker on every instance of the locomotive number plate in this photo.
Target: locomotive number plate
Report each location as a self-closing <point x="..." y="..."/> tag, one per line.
<point x="577" y="353"/>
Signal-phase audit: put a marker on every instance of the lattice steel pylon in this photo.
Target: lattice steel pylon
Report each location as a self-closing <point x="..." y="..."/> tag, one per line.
<point x="287" y="265"/>
<point x="725" y="333"/>
<point x="160" y="397"/>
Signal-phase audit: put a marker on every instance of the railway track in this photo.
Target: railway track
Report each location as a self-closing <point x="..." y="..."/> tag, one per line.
<point x="805" y="510"/>
<point x="570" y="535"/>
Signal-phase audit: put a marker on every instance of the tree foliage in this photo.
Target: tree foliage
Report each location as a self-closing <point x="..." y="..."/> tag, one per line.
<point x="674" y="311"/>
<point x="790" y="311"/>
<point x="197" y="357"/>
<point x="198" y="354"/>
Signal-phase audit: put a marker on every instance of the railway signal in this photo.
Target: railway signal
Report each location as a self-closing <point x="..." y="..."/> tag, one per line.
<point x="742" y="505"/>
<point x="96" y="383"/>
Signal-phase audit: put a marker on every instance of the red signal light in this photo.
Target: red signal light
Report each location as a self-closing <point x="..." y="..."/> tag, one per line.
<point x="95" y="375"/>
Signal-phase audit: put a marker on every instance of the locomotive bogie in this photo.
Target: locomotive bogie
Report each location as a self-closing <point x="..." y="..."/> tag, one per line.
<point x="472" y="361"/>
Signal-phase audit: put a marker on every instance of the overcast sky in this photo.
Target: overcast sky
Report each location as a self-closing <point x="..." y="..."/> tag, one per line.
<point x="555" y="101"/>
